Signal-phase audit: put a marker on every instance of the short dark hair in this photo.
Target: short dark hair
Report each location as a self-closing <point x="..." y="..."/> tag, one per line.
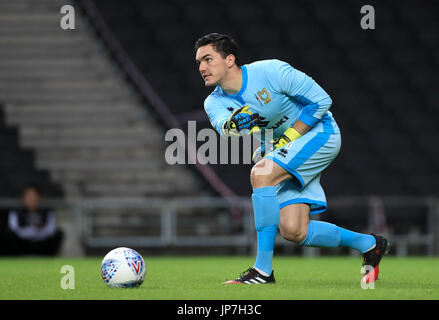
<point x="222" y="43"/>
<point x="32" y="186"/>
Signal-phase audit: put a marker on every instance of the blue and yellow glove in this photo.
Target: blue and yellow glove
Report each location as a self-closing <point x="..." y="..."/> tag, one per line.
<point x="289" y="135"/>
<point x="241" y="122"/>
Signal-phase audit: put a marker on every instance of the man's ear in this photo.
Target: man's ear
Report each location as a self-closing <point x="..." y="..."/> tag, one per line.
<point x="230" y="60"/>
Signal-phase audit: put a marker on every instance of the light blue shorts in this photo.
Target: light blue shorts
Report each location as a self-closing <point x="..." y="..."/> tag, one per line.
<point x="306" y="158"/>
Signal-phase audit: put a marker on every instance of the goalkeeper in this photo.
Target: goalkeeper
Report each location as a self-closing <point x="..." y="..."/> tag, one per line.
<point x="272" y="95"/>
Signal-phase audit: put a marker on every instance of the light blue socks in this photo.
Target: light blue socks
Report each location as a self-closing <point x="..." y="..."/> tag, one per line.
<point x="266" y="212"/>
<point x="320" y="234"/>
<point x="327" y="235"/>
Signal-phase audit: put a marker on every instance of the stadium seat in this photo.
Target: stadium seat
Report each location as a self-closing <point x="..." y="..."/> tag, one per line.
<point x="17" y="166"/>
<point x="378" y="79"/>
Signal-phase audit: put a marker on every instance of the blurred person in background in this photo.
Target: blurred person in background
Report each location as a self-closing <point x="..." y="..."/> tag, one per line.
<point x="32" y="229"/>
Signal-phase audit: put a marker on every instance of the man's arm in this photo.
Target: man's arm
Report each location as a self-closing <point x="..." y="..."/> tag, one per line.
<point x="218" y="115"/>
<point x="26" y="232"/>
<point x="296" y="84"/>
<point x="301" y="127"/>
<point x="48" y="229"/>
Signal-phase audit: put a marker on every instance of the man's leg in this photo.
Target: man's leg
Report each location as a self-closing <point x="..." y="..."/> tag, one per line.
<point x="265" y="175"/>
<point x="306" y="159"/>
<point x="295" y="226"/>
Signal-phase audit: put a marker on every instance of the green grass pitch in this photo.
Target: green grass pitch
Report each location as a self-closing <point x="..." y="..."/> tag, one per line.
<point x="192" y="278"/>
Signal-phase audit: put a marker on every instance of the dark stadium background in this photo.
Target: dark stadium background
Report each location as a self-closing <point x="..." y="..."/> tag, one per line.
<point x="383" y="83"/>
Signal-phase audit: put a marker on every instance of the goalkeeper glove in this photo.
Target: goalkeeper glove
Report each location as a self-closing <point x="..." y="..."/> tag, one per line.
<point x="288" y="136"/>
<point x="241" y="119"/>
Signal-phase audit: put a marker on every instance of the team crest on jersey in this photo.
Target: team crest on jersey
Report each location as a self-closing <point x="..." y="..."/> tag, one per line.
<point x="263" y="95"/>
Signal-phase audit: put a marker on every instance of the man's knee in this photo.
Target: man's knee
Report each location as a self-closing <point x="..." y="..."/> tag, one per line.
<point x="292" y="232"/>
<point x="259" y="179"/>
<point x="293" y="222"/>
<point x="266" y="173"/>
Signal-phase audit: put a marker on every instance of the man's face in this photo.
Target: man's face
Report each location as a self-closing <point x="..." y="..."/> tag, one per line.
<point x="31" y="198"/>
<point x="212" y="66"/>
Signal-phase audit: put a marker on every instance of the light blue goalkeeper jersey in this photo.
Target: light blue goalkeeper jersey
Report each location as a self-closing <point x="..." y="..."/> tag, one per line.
<point x="280" y="94"/>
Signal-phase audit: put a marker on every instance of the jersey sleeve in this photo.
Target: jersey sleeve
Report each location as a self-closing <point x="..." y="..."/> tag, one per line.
<point x="301" y="87"/>
<point x="217" y="113"/>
